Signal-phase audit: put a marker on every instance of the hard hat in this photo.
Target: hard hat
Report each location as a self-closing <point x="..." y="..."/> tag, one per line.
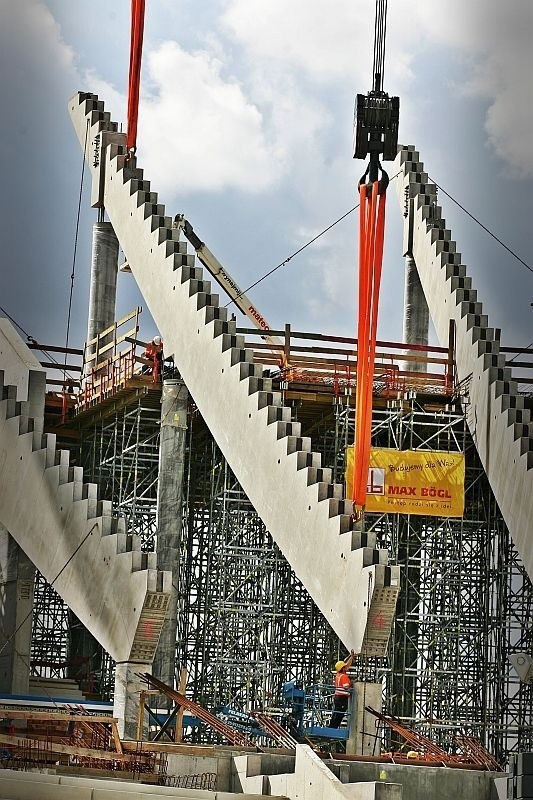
<point x="157" y="340"/>
<point x="339" y="665"/>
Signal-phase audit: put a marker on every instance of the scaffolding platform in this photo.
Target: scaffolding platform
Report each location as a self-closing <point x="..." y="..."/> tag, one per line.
<point x="246" y="624"/>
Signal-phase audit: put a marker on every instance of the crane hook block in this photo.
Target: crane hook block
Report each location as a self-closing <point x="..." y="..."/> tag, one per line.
<point x="376" y="125"/>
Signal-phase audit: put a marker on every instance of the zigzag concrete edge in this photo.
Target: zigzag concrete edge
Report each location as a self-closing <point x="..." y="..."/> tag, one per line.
<point x="497" y="415"/>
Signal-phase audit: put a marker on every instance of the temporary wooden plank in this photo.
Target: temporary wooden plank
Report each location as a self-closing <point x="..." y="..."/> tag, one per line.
<point x="140" y="716"/>
<point x="116" y="737"/>
<point x="55" y="716"/>
<point x="114" y="325"/>
<point x="199" y="750"/>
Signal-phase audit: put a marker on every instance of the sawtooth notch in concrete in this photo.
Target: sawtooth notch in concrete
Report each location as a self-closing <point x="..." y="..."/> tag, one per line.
<point x="304" y="511"/>
<point x="58" y="520"/>
<point x="498" y="416"/>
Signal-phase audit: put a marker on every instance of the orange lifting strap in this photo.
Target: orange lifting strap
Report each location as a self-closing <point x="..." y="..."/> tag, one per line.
<point x="136" y="46"/>
<point x="371" y="235"/>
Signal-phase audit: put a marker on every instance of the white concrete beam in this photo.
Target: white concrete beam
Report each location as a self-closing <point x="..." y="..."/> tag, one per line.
<point x="65" y="530"/>
<point x="274" y="464"/>
<point x="497" y="416"/>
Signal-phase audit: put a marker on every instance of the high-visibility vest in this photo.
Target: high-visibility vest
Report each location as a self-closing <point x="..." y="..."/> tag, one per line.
<point x="153" y="349"/>
<point x="342" y="684"/>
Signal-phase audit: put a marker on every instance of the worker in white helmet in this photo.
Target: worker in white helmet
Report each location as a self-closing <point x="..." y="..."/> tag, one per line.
<point x="154" y="352"/>
<point x="343" y="690"/>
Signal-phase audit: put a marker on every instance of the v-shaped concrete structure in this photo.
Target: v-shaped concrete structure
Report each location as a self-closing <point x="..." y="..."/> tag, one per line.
<point x="343" y="571"/>
<point x="70" y="535"/>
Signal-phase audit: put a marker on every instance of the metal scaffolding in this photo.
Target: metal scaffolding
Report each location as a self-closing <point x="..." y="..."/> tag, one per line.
<point x="246" y="624"/>
<point x="119" y="450"/>
<point x="465" y="603"/>
<point x="49" y="635"/>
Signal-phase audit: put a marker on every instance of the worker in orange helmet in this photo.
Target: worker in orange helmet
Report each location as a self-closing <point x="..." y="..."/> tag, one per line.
<point x="343" y="690"/>
<point x="154" y="352"/>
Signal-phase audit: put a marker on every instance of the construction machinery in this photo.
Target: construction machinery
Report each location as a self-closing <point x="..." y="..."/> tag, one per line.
<point x="230" y="286"/>
<point x="377" y="115"/>
<point x="308" y="711"/>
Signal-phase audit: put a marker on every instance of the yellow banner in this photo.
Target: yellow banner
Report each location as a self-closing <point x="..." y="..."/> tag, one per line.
<point x="412" y="482"/>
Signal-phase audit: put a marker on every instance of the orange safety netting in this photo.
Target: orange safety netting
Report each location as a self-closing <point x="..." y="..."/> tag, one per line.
<point x="136" y="45"/>
<point x="371" y="235"/>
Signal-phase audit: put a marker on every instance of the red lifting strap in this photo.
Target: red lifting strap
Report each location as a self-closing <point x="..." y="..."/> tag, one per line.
<point x="136" y="46"/>
<point x="371" y="236"/>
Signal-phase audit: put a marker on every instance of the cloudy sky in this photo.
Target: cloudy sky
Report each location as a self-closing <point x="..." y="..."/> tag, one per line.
<point x="246" y="127"/>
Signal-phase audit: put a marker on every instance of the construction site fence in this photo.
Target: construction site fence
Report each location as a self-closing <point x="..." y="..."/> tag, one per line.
<point x="332" y="361"/>
<point x="105" y="346"/>
<point x="110" y="360"/>
<point x="86" y="376"/>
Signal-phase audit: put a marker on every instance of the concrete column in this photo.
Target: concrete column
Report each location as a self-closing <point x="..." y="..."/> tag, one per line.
<point x="174" y="401"/>
<point x="361" y="739"/>
<point x="17" y="576"/>
<point x="128" y="688"/>
<point x="415" y="314"/>
<point x="103" y="289"/>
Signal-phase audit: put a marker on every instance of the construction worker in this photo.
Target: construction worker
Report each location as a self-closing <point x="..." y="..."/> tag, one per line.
<point x="343" y="687"/>
<point x="154" y="352"/>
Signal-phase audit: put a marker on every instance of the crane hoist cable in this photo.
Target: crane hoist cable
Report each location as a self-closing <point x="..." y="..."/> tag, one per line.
<point x="376" y="134"/>
<point x="134" y="80"/>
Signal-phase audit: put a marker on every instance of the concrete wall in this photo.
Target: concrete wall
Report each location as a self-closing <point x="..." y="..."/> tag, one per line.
<point x="196" y="765"/>
<point x="421" y="783"/>
<point x="415" y="315"/>
<point x="363" y="725"/>
<point x="249" y="772"/>
<point x="308" y="779"/>
<point x="21" y="368"/>
<point x="306" y="775"/>
<point x="313" y="781"/>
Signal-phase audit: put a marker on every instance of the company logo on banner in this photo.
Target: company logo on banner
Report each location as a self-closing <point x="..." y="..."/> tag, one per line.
<point x="431" y="483"/>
